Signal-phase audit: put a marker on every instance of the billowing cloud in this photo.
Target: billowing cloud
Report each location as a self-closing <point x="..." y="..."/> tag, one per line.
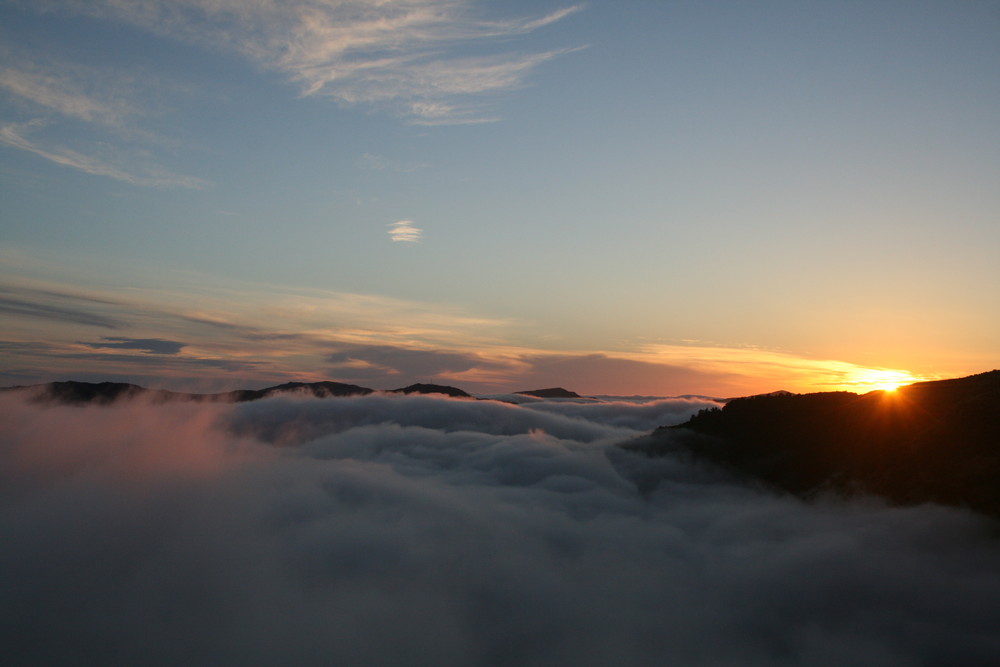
<point x="637" y="415"/>
<point x="405" y="230"/>
<point x="416" y="529"/>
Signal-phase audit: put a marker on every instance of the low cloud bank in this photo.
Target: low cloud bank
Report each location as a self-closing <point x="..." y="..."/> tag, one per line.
<point x="424" y="530"/>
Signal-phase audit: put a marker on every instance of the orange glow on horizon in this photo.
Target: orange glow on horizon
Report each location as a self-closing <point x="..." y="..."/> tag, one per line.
<point x="865" y="380"/>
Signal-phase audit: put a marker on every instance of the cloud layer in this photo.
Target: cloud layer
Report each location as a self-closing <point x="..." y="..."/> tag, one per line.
<point x="264" y="335"/>
<point x="425" y="530"/>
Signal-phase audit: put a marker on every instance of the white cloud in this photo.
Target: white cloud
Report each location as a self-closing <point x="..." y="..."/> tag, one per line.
<point x="405" y="230"/>
<point x="411" y="56"/>
<point x="417" y="529"/>
<point x="419" y="59"/>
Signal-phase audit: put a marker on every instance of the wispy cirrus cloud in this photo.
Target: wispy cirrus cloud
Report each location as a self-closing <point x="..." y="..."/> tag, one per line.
<point x="55" y="98"/>
<point x="423" y="60"/>
<point x="61" y="89"/>
<point x="417" y="58"/>
<point x="406" y="231"/>
<point x="117" y="166"/>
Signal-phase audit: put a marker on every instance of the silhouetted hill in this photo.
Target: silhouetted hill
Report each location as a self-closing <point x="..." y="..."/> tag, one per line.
<point x="105" y="393"/>
<point x="926" y="442"/>
<point x="318" y="389"/>
<point x="420" y="388"/>
<point x="554" y="392"/>
<point x="101" y="393"/>
<point x="780" y="392"/>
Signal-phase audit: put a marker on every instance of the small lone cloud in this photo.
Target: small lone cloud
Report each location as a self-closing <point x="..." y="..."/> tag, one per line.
<point x="404" y="230"/>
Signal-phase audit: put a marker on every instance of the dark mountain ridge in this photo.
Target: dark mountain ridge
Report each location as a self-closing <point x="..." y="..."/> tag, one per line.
<point x="423" y="388"/>
<point x="101" y="393"/>
<point x="552" y="392"/>
<point x="933" y="441"/>
<point x="104" y="393"/>
<point x="324" y="389"/>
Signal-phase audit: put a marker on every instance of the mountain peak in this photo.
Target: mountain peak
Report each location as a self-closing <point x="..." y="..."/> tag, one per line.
<point x="552" y="392"/>
<point x="423" y="388"/>
<point x="936" y="441"/>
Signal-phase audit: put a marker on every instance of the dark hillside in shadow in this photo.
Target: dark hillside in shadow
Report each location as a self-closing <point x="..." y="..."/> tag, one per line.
<point x="926" y="442"/>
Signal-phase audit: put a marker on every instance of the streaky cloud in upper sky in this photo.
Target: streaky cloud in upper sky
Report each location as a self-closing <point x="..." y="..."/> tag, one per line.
<point x="54" y="93"/>
<point x="17" y="135"/>
<point x="406" y="56"/>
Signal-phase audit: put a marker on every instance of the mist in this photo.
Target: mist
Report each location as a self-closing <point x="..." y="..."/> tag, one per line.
<point x="394" y="529"/>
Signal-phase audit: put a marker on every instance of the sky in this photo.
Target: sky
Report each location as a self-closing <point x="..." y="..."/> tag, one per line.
<point x="652" y="198"/>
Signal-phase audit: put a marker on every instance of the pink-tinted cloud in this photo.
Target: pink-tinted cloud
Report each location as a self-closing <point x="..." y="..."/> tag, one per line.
<point x="401" y="529"/>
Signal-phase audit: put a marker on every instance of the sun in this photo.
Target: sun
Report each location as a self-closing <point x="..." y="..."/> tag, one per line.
<point x="880" y="379"/>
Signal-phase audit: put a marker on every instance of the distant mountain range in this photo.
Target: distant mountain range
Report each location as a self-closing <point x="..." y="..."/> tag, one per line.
<point x="104" y="393"/>
<point x="925" y="442"/>
<point x="552" y="392"/>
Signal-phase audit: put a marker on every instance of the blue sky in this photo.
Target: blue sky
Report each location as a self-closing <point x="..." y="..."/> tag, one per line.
<point x="635" y="197"/>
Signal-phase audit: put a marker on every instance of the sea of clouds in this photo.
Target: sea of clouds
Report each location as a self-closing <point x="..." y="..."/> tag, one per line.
<point x="422" y="530"/>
